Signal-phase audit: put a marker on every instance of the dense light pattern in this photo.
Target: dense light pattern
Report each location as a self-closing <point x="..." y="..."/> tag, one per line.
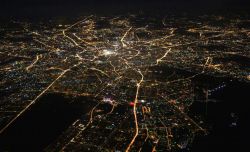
<point x="144" y="65"/>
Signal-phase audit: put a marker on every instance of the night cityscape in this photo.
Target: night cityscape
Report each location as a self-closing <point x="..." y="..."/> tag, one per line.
<point x="124" y="76"/>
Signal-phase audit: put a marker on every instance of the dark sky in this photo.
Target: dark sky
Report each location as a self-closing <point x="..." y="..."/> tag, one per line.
<point x="30" y="7"/>
<point x="126" y="2"/>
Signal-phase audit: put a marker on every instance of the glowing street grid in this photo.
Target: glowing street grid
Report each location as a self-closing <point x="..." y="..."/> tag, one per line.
<point x="139" y="68"/>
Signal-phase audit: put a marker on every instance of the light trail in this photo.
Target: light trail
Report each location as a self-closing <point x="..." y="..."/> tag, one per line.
<point x="101" y="71"/>
<point x="208" y="61"/>
<point x="159" y="39"/>
<point x="124" y="36"/>
<point x="167" y="135"/>
<point x="71" y="39"/>
<point x="88" y="43"/>
<point x="31" y="65"/>
<point x="144" y="139"/>
<point x="113" y="107"/>
<point x="84" y="128"/>
<point x="34" y="100"/>
<point x="114" y="68"/>
<point x="68" y="28"/>
<point x="160" y="59"/>
<point x="134" y="111"/>
<point x="190" y="119"/>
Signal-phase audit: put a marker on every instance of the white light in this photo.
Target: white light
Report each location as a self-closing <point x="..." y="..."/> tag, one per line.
<point x="108" y="100"/>
<point x="107" y="52"/>
<point x="142" y="101"/>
